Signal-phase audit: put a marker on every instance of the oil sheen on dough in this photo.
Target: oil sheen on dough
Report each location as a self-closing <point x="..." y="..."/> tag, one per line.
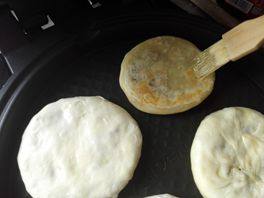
<point x="157" y="79"/>
<point x="227" y="154"/>
<point x="79" y="147"/>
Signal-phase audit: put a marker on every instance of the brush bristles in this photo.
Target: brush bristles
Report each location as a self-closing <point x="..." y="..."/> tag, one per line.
<point x="210" y="60"/>
<point x="204" y="64"/>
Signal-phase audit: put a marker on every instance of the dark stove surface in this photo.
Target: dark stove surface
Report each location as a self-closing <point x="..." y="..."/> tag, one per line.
<point x="4" y="71"/>
<point x="69" y="16"/>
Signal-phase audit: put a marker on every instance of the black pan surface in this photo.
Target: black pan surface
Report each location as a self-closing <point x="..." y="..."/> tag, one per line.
<point x="90" y="66"/>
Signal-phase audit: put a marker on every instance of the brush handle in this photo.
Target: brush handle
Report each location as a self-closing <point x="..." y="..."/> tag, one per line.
<point x="244" y="38"/>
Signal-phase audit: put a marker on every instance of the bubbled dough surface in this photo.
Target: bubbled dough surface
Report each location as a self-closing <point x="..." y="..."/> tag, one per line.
<point x="79" y="147"/>
<point x="227" y="154"/>
<point x="161" y="196"/>
<point x="157" y="78"/>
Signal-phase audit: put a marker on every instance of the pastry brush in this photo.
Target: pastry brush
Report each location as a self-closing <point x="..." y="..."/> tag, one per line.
<point x="240" y="41"/>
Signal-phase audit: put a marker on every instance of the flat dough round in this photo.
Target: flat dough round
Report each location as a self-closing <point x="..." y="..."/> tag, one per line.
<point x="156" y="76"/>
<point x="161" y="196"/>
<point x="227" y="154"/>
<point x="79" y="147"/>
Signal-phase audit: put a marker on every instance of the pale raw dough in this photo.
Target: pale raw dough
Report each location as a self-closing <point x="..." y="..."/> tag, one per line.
<point x="162" y="196"/>
<point x="157" y="78"/>
<point x="82" y="147"/>
<point x="227" y="154"/>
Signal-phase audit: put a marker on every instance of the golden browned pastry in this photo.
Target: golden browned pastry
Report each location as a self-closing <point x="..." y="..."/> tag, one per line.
<point x="157" y="78"/>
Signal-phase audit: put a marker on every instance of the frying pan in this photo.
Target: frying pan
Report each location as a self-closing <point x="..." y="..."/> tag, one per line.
<point x="89" y="64"/>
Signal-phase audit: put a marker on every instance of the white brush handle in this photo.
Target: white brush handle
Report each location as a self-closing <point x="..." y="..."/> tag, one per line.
<point x="244" y="38"/>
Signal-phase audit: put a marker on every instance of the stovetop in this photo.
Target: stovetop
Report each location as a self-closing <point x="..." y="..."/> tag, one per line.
<point x="25" y="22"/>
